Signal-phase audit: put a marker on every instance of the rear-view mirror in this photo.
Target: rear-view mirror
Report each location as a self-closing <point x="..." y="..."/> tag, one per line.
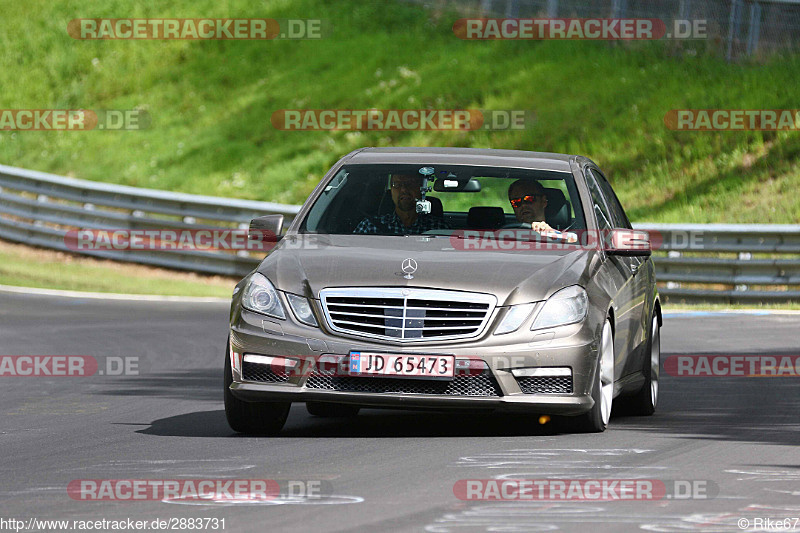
<point x="454" y="184"/>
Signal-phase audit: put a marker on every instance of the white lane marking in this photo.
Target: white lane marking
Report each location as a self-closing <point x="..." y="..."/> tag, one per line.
<point x="181" y="467"/>
<point x="789" y="492"/>
<point x="512" y="518"/>
<point x="32" y="490"/>
<point x="518" y="518"/>
<point x="766" y="475"/>
<point x="333" y="499"/>
<point x="541" y="474"/>
<point x="112" y="295"/>
<point x="526" y="457"/>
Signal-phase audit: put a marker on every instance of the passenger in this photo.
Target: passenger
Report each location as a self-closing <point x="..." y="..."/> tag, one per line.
<point x="404" y="220"/>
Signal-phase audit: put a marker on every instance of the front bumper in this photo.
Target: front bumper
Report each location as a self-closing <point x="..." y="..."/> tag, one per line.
<point x="574" y="346"/>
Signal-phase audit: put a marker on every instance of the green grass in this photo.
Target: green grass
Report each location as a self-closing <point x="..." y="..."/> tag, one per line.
<point x="211" y="104"/>
<point x="21" y="266"/>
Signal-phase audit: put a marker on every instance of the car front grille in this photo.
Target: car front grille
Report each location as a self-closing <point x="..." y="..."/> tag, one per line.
<point x="262" y="373"/>
<point x="546" y="384"/>
<point x="407" y="314"/>
<point x="479" y="385"/>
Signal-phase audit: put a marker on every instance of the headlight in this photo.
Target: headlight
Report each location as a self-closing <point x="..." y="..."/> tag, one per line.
<point x="301" y="308"/>
<point x="516" y="315"/>
<point x="567" y="306"/>
<point x="260" y="296"/>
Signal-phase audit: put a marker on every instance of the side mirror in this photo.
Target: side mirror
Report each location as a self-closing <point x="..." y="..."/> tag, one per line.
<point x="266" y="228"/>
<point x="628" y="242"/>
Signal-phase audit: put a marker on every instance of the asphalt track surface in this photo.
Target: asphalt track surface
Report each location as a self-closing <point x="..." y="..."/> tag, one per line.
<point x="384" y="470"/>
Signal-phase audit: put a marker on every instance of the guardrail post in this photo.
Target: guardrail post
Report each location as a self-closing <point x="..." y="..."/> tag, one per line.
<point x="685" y="9"/>
<point x="743" y="256"/>
<point x="618" y="8"/>
<point x="734" y="22"/>
<point x="512" y="9"/>
<point x="552" y="8"/>
<point x="755" y="28"/>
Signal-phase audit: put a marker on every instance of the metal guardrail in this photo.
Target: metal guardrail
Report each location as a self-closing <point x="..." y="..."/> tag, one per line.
<point x="763" y="263"/>
<point x="39" y="209"/>
<point x="740" y="28"/>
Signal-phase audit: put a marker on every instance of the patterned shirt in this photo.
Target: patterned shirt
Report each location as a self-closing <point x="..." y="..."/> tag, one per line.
<point x="392" y="225"/>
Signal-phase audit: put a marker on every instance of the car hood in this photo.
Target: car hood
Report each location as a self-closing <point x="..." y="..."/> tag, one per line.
<point x="305" y="264"/>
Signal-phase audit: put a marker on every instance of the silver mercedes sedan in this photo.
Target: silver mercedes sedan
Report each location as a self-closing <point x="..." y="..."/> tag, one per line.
<point x="448" y="278"/>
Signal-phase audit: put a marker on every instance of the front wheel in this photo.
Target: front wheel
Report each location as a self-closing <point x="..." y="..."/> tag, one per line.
<point x="254" y="418"/>
<point x="645" y="401"/>
<point x="596" y="420"/>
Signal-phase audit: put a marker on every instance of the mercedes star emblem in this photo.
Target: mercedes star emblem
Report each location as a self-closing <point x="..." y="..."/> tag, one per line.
<point x="409" y="267"/>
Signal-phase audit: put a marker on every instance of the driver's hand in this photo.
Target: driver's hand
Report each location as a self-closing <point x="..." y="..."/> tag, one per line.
<point x="540" y="227"/>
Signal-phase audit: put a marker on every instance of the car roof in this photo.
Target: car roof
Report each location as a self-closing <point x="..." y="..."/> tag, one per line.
<point x="465" y="156"/>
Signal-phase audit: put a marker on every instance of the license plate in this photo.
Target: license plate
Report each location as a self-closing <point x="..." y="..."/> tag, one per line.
<point x="381" y="364"/>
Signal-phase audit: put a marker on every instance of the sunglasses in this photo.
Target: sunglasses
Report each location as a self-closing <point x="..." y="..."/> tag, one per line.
<point x="528" y="198"/>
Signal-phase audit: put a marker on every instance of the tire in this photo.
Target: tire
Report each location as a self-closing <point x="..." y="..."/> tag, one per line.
<point x="253" y="418"/>
<point x="645" y="401"/>
<point x="332" y="410"/>
<point x="596" y="420"/>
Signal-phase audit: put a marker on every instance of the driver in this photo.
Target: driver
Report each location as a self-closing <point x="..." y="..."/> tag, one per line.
<point x="404" y="220"/>
<point x="528" y="200"/>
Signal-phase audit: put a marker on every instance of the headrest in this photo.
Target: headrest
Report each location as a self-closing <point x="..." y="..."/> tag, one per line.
<point x="437" y="210"/>
<point x="486" y="217"/>
<point x="557" y="213"/>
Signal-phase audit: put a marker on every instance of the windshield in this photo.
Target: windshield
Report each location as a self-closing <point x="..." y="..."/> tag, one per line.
<point x="390" y="200"/>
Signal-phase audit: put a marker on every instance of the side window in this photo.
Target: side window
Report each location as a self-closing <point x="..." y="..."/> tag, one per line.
<point x="328" y="196"/>
<point x="618" y="215"/>
<point x="604" y="220"/>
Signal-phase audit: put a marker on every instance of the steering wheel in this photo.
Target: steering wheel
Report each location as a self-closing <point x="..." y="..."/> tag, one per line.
<point x="570" y="226"/>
